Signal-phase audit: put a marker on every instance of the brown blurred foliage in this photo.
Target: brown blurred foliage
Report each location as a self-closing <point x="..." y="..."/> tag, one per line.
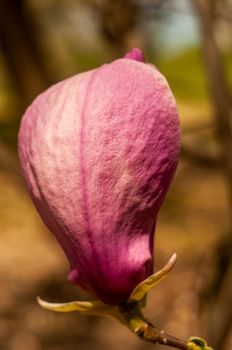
<point x="197" y="297"/>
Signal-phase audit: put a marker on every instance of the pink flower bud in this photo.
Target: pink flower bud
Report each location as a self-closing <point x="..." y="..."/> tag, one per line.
<point x="98" y="152"/>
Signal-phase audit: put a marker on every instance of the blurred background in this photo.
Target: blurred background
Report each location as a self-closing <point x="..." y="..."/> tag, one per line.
<point x="190" y="41"/>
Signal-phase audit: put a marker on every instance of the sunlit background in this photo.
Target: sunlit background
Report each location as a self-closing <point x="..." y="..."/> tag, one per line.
<point x="43" y="42"/>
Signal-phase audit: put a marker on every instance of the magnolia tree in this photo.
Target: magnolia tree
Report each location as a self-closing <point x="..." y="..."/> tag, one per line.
<point x="98" y="153"/>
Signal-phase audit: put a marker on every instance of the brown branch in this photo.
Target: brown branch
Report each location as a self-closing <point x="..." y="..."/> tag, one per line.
<point x="200" y="158"/>
<point x="133" y="318"/>
<point x="157" y="336"/>
<point x="215" y="284"/>
<point x="220" y="313"/>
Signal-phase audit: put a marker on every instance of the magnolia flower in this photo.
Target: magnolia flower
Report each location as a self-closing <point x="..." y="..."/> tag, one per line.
<point x="98" y="153"/>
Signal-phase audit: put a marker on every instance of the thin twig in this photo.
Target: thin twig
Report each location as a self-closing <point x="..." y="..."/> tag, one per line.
<point x="135" y="321"/>
<point x="157" y="336"/>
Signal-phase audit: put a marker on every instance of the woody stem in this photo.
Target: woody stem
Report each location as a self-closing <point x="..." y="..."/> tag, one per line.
<point x="136" y="322"/>
<point x="157" y="336"/>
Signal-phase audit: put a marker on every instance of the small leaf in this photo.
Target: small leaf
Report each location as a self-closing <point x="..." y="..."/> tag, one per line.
<point x="196" y="343"/>
<point x="86" y="307"/>
<point x="142" y="288"/>
<point x="94" y="307"/>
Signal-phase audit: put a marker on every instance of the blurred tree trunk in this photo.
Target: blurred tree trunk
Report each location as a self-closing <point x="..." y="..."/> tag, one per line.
<point x="25" y="66"/>
<point x="218" y="86"/>
<point x="217" y="290"/>
<point x="21" y="53"/>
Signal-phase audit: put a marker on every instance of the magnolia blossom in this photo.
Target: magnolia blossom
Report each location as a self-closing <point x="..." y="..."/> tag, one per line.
<point x="98" y="152"/>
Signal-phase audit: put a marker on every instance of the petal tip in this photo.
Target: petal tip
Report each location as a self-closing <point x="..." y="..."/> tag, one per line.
<point x="135" y="54"/>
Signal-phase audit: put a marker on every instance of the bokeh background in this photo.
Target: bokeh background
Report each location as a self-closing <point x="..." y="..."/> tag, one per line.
<point x="43" y="42"/>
